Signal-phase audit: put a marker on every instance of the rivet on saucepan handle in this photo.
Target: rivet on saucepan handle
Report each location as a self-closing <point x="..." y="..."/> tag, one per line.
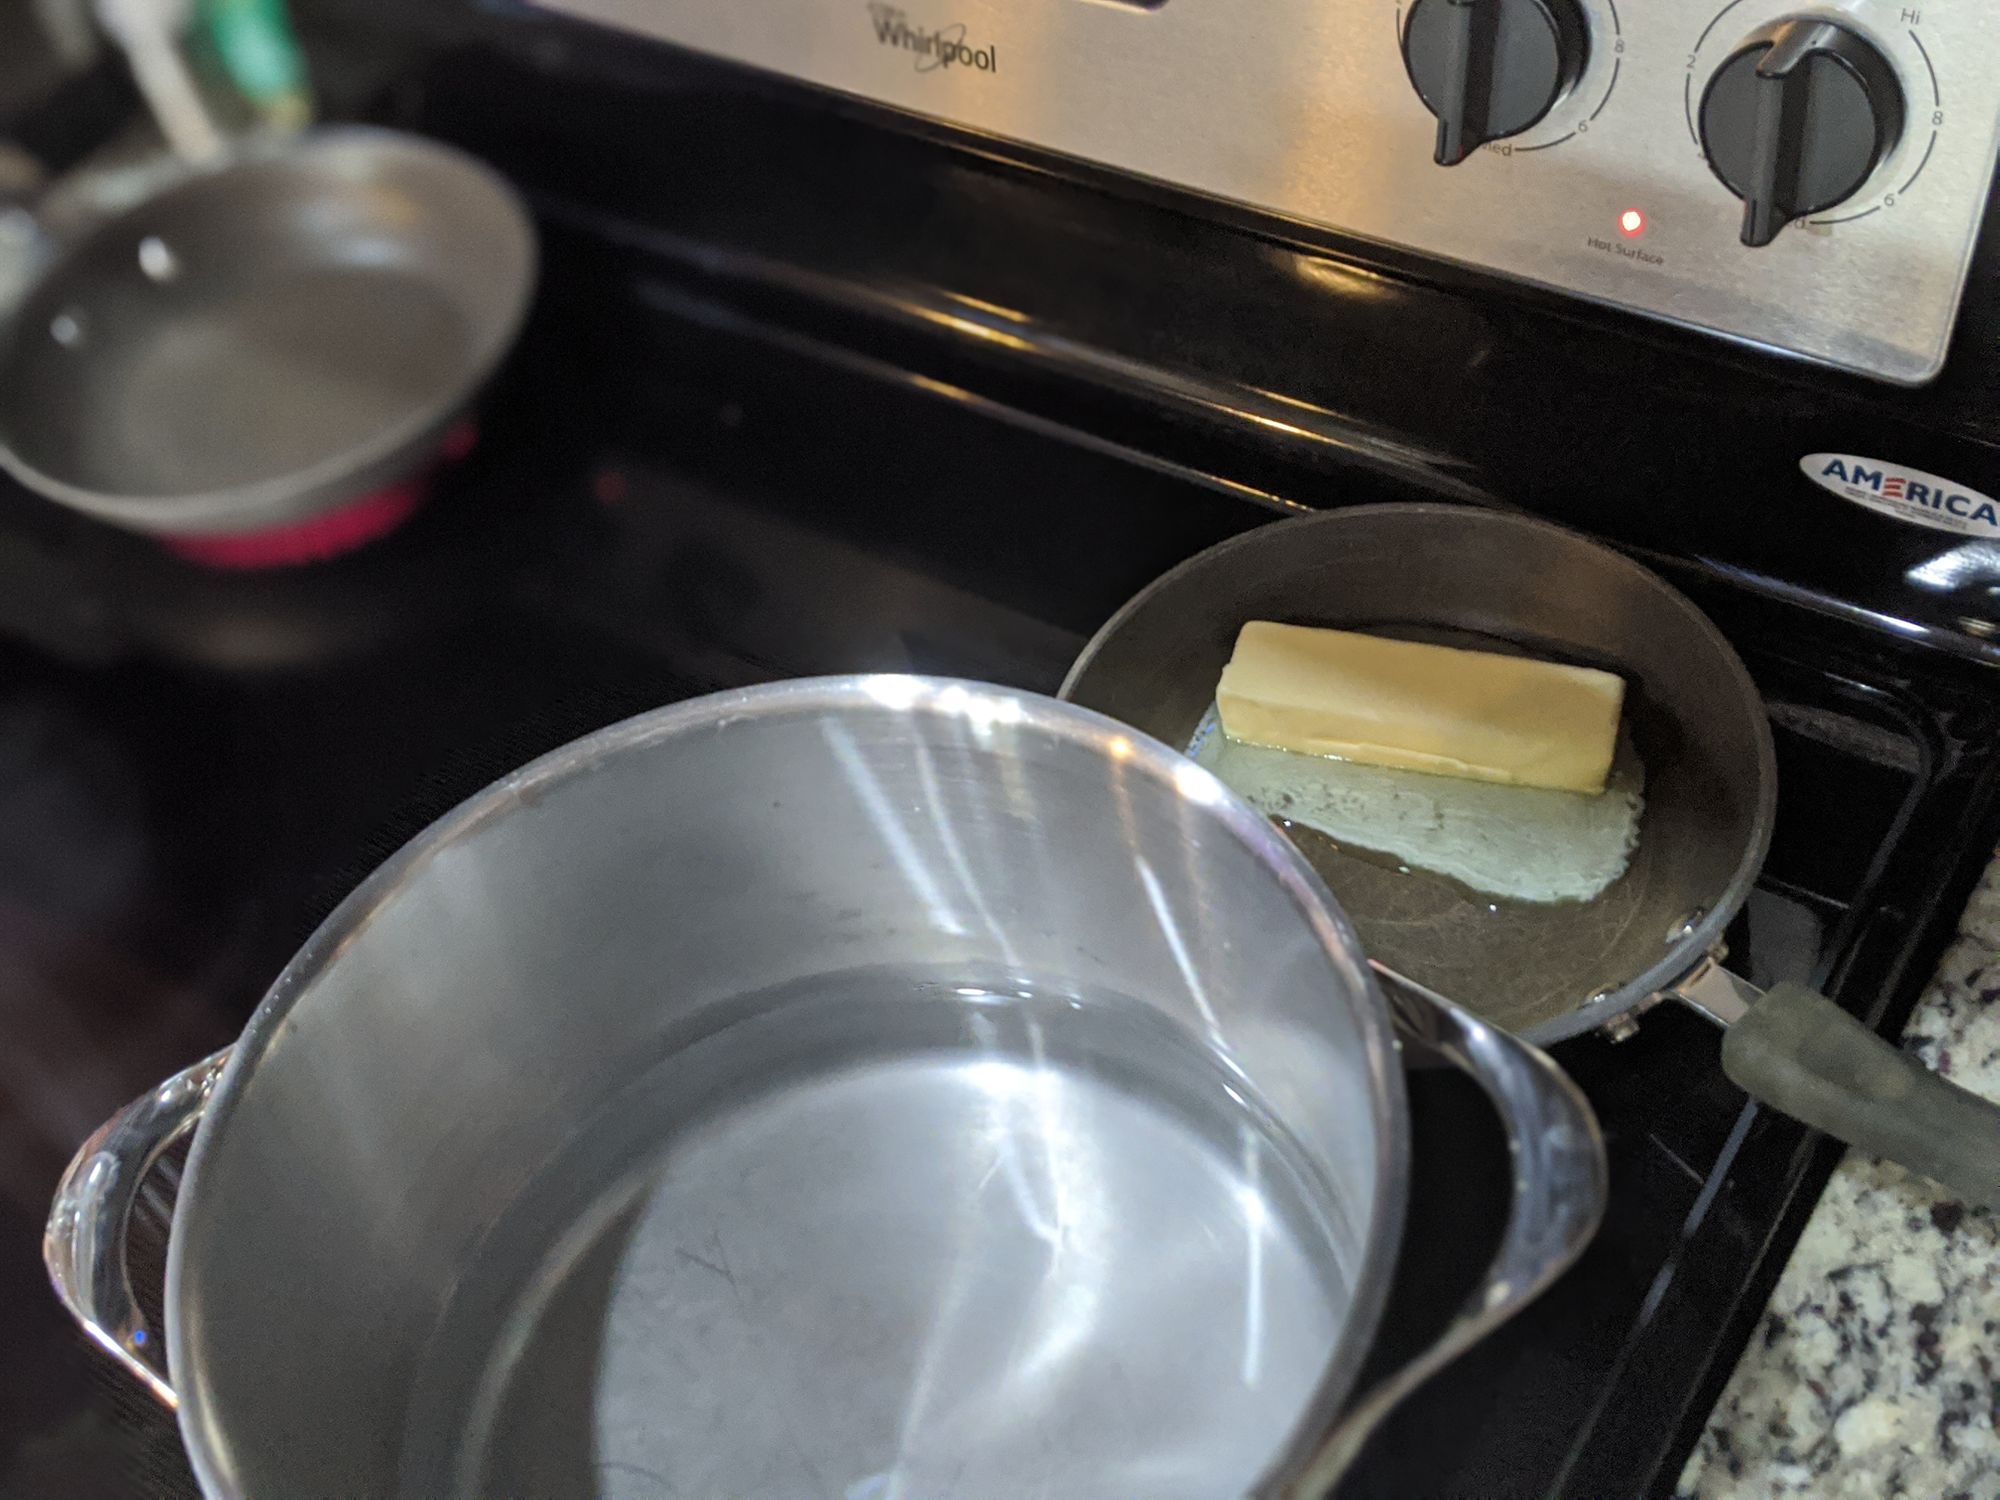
<point x="1687" y="926"/>
<point x="84" y="1245"/>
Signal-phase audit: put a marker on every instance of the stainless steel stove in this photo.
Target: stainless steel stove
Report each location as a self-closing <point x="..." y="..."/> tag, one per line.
<point x="1645" y="157"/>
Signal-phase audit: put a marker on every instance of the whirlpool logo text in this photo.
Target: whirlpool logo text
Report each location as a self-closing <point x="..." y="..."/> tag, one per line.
<point x="1907" y="494"/>
<point x="931" y="51"/>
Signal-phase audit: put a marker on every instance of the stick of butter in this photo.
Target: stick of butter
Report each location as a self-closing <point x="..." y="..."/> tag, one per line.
<point x="1450" y="712"/>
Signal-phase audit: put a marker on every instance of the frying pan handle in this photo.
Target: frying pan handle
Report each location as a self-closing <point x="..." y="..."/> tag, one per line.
<point x="84" y="1245"/>
<point x="1799" y="1052"/>
<point x="1560" y="1187"/>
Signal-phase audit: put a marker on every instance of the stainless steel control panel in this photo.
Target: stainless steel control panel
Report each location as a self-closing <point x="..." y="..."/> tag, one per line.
<point x="1590" y="140"/>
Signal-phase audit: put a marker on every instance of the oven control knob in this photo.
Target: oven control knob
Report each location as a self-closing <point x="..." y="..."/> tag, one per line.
<point x="1797" y="118"/>
<point x="1489" y="69"/>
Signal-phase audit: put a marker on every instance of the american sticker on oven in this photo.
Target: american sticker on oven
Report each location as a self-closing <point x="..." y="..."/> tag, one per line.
<point x="1907" y="494"/>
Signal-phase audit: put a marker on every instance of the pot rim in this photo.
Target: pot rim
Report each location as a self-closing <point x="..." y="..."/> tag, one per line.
<point x="956" y="698"/>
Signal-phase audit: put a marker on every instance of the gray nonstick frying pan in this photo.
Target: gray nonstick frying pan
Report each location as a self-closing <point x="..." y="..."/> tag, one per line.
<point x="1494" y="580"/>
<point x="270" y="335"/>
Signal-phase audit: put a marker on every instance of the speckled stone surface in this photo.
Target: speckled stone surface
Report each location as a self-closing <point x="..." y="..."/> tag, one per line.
<point x="1876" y="1370"/>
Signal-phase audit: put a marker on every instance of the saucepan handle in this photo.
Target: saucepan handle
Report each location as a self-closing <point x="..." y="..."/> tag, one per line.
<point x="84" y="1246"/>
<point x="1560" y="1186"/>
<point x="1799" y="1052"/>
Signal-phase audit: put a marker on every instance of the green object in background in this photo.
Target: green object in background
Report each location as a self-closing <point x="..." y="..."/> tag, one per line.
<point x="253" y="41"/>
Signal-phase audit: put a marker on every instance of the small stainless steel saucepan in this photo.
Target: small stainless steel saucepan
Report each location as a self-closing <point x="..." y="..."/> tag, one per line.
<point x="267" y="335"/>
<point x="874" y="1086"/>
<point x="1473" y="577"/>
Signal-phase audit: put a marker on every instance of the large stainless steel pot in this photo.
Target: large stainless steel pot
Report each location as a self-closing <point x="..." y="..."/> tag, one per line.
<point x="864" y="1087"/>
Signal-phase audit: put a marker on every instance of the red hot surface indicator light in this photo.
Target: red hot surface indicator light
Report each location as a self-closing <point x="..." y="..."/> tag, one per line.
<point x="1631" y="223"/>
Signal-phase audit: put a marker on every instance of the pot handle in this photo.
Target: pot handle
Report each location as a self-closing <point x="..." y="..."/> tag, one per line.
<point x="84" y="1245"/>
<point x="1799" y="1052"/>
<point x="1560" y="1188"/>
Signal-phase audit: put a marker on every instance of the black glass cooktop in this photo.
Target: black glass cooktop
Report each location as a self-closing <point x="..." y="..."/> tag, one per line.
<point x="196" y="767"/>
<point x="676" y="489"/>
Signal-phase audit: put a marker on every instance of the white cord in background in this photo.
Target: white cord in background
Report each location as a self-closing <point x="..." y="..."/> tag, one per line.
<point x="150" y="32"/>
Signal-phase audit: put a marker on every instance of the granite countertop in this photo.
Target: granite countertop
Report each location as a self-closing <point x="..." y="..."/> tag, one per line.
<point x="1876" y="1370"/>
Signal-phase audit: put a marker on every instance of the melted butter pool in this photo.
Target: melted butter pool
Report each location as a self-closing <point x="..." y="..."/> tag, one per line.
<point x="1526" y="844"/>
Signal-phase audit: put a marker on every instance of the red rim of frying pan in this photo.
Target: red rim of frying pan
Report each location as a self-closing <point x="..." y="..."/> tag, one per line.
<point x="332" y="533"/>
